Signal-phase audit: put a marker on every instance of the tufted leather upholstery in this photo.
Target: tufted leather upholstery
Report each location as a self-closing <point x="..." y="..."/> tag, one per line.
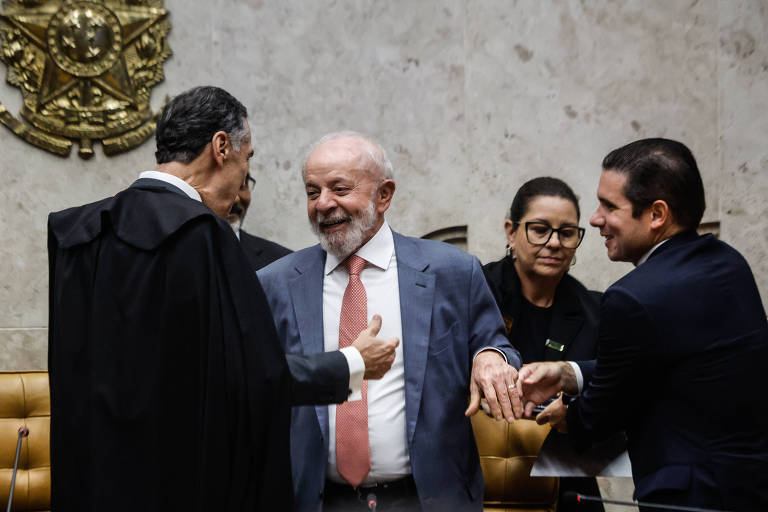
<point x="507" y="453"/>
<point x="24" y="401"/>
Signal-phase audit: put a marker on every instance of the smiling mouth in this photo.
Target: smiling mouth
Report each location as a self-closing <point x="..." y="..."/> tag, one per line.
<point x="332" y="223"/>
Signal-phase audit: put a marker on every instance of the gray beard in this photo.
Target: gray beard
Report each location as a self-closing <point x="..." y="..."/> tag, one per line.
<point x="343" y="243"/>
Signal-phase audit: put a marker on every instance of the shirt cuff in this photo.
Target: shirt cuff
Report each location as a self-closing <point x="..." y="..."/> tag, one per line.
<point x="579" y="376"/>
<point x="490" y="348"/>
<point x="356" y="372"/>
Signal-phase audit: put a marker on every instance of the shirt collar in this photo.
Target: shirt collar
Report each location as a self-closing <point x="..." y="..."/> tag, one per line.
<point x="377" y="251"/>
<point x="647" y="255"/>
<point x="173" y="180"/>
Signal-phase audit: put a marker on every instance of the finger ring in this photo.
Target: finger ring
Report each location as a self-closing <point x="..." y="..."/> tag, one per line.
<point x="511" y="386"/>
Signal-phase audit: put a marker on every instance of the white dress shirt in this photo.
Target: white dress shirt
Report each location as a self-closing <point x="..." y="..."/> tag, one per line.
<point x="386" y="397"/>
<point x="173" y="180"/>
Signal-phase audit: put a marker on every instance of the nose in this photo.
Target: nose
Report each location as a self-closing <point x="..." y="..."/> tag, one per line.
<point x="597" y="220"/>
<point x="325" y="201"/>
<point x="551" y="242"/>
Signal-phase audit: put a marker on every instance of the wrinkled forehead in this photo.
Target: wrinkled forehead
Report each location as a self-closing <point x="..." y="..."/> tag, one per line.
<point x="346" y="155"/>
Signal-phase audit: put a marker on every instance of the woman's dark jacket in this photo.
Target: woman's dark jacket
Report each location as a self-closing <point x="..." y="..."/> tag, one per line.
<point x="575" y="314"/>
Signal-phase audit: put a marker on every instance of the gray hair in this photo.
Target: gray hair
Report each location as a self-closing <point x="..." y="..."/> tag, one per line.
<point x="237" y="137"/>
<point x="190" y="119"/>
<point x="372" y="149"/>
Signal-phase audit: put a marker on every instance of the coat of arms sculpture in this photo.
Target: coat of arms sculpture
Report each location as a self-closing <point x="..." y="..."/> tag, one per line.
<point x="85" y="69"/>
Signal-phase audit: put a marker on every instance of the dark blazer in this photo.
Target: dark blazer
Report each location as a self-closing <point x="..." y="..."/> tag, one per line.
<point x="260" y="252"/>
<point x="575" y="314"/>
<point x="682" y="353"/>
<point x="447" y="314"/>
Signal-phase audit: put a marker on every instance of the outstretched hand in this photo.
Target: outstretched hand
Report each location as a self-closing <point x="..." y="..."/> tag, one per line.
<point x="493" y="378"/>
<point x="538" y="382"/>
<point x="378" y="355"/>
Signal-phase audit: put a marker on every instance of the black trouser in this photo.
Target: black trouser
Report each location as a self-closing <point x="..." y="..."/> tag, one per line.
<point x="397" y="496"/>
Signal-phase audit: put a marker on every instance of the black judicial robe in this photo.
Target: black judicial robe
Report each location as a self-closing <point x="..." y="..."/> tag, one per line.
<point x="169" y="390"/>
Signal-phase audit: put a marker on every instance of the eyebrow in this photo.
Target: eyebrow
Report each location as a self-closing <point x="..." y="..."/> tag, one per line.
<point x="543" y="221"/>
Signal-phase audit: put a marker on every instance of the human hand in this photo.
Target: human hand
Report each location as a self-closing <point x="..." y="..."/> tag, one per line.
<point x="496" y="379"/>
<point x="378" y="355"/>
<point x="554" y="414"/>
<point x="537" y="382"/>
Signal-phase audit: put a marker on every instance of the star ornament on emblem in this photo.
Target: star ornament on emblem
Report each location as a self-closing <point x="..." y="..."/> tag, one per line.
<point x="85" y="69"/>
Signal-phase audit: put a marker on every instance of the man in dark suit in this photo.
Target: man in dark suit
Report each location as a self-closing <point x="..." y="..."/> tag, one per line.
<point x="259" y="251"/>
<point x="161" y="340"/>
<point x="414" y="447"/>
<point x="683" y="342"/>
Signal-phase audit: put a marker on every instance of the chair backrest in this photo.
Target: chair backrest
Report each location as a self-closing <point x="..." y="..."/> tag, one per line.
<point x="25" y="402"/>
<point x="507" y="453"/>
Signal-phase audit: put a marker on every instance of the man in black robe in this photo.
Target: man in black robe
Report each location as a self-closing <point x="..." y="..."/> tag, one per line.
<point x="169" y="390"/>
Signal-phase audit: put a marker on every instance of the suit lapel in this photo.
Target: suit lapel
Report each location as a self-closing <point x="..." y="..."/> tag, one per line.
<point x="417" y="291"/>
<point x="306" y="290"/>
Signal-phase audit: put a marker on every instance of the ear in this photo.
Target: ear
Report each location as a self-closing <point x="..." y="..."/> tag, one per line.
<point x="660" y="214"/>
<point x="384" y="195"/>
<point x="510" y="229"/>
<point x="220" y="147"/>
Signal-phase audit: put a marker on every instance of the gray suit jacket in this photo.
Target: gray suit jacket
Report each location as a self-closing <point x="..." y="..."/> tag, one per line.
<point x="447" y="314"/>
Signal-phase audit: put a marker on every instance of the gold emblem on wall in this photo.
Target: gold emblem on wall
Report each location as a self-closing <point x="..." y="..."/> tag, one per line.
<point x="85" y="69"/>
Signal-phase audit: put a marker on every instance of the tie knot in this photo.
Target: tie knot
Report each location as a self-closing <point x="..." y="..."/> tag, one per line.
<point x="355" y="264"/>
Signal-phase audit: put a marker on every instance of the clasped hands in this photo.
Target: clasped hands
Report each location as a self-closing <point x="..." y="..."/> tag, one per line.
<point x="512" y="395"/>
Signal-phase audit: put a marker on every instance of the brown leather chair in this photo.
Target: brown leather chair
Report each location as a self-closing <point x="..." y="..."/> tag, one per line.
<point x="25" y="402"/>
<point x="507" y="453"/>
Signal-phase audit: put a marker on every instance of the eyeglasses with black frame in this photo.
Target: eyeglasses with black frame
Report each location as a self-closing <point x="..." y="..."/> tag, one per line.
<point x="249" y="181"/>
<point x="539" y="233"/>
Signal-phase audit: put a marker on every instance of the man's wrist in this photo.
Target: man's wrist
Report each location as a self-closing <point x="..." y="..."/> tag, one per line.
<point x="487" y="349"/>
<point x="570" y="378"/>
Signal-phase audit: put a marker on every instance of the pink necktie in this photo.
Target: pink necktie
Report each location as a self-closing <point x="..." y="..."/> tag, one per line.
<point x="353" y="454"/>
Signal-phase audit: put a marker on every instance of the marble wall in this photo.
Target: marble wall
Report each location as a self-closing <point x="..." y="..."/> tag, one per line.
<point x="470" y="97"/>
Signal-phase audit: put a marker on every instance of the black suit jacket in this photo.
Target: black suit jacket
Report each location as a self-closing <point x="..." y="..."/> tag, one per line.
<point x="575" y="314"/>
<point x="260" y="252"/>
<point x="682" y="351"/>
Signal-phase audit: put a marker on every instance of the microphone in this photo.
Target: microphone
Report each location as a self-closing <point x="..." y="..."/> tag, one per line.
<point x="580" y="498"/>
<point x="371" y="501"/>
<point x="23" y="432"/>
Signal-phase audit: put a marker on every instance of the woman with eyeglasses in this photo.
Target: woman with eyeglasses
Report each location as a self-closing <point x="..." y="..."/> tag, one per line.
<point x="549" y="315"/>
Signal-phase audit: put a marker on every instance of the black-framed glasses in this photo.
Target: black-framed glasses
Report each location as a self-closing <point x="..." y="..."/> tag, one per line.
<point x="539" y="233"/>
<point x="249" y="181"/>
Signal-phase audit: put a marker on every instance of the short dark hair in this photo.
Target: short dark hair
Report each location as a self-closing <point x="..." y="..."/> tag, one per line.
<point x="543" y="186"/>
<point x="190" y="119"/>
<point x="660" y="169"/>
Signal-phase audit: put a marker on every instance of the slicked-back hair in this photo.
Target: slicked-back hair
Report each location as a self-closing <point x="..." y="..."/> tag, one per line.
<point x="537" y="187"/>
<point x="189" y="120"/>
<point x="660" y="169"/>
<point x="373" y="150"/>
